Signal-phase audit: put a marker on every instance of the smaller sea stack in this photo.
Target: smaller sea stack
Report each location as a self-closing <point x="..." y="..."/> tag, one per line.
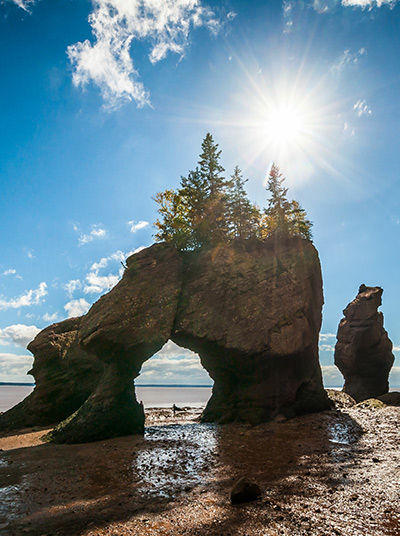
<point x="363" y="352"/>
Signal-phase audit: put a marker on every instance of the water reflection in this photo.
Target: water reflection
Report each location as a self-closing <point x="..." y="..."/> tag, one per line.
<point x="177" y="457"/>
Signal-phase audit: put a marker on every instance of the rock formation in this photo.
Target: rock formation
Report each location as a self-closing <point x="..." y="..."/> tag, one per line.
<point x="251" y="310"/>
<point x="64" y="376"/>
<point x="363" y="352"/>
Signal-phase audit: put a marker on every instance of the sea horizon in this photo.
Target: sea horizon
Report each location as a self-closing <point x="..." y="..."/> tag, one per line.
<point x="152" y="395"/>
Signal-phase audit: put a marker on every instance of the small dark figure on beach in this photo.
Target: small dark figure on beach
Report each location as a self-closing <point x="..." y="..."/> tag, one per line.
<point x="175" y="409"/>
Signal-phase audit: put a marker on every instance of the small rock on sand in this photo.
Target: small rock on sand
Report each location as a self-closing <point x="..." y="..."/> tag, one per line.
<point x="244" y="490"/>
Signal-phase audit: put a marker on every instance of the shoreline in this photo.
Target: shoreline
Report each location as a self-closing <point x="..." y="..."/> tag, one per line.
<point x="334" y="472"/>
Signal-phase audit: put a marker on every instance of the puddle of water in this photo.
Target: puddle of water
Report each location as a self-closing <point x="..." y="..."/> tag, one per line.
<point x="10" y="502"/>
<point x="341" y="433"/>
<point x="179" y="459"/>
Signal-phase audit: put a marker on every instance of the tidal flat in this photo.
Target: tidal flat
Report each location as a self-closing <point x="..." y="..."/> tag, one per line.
<point x="330" y="473"/>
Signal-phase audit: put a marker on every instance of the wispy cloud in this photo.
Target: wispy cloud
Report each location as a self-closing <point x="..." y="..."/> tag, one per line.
<point x="369" y="4"/>
<point x="361" y="108"/>
<point x="347" y="58"/>
<point x="116" y="26"/>
<point x="24" y="4"/>
<point x="288" y="7"/>
<point x="19" y="334"/>
<point x="326" y="6"/>
<point x="30" y="297"/>
<point x="77" y="307"/>
<point x="50" y="317"/>
<point x="11" y="272"/>
<point x="72" y="286"/>
<point x="348" y="129"/>
<point x="136" y="226"/>
<point x="327" y="336"/>
<point x="97" y="231"/>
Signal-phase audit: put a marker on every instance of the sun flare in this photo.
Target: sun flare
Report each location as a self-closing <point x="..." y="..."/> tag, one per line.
<point x="290" y="118"/>
<point x="286" y="125"/>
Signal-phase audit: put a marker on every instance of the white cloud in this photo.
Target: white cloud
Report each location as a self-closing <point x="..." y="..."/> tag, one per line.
<point x="331" y="376"/>
<point x="10" y="271"/>
<point x="327" y="347"/>
<point x="363" y="4"/>
<point x="348" y="58"/>
<point x="19" y="334"/>
<point x="325" y="342"/>
<point x="97" y="283"/>
<point x="47" y="317"/>
<point x="347" y="129"/>
<point x="136" y="226"/>
<point x="361" y="108"/>
<point x="172" y="350"/>
<point x="31" y="297"/>
<point x="116" y="25"/>
<point x="97" y="231"/>
<point x="394" y="377"/>
<point x="24" y="4"/>
<point x="173" y="364"/>
<point x="30" y="255"/>
<point x="326" y="336"/>
<point x="77" y="307"/>
<point x="13" y="367"/>
<point x="72" y="286"/>
<point x="288" y="6"/>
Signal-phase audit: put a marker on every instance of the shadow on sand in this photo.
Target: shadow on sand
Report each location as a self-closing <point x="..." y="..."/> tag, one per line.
<point x="67" y="489"/>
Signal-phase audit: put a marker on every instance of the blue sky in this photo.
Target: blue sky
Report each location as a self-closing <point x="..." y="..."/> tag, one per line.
<point x="102" y="104"/>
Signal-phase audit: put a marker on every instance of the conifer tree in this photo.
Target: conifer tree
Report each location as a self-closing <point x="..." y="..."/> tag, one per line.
<point x="276" y="214"/>
<point x="207" y="209"/>
<point x="243" y="215"/>
<point x="215" y="227"/>
<point x="194" y="195"/>
<point x="283" y="217"/>
<point x="210" y="167"/>
<point x="300" y="225"/>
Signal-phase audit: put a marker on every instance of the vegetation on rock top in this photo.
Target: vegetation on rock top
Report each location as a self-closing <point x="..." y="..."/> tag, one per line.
<point x="209" y="209"/>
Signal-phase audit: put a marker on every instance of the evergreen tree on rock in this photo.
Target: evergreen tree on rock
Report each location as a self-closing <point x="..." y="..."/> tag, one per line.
<point x="243" y="215"/>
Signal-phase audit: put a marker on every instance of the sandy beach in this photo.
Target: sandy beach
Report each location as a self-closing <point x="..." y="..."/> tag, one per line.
<point x="334" y="472"/>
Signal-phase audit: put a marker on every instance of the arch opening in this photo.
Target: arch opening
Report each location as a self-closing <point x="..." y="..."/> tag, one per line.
<point x="173" y="375"/>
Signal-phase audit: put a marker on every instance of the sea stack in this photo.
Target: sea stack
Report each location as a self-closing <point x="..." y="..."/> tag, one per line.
<point x="250" y="309"/>
<point x="363" y="352"/>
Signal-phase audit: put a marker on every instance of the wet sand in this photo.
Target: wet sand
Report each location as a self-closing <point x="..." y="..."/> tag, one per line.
<point x="333" y="473"/>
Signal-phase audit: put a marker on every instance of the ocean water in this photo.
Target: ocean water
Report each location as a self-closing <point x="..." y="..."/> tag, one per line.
<point x="154" y="396"/>
<point x="151" y="396"/>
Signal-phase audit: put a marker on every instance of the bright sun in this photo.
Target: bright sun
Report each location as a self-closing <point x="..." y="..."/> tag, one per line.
<point x="285" y="125"/>
<point x="291" y="119"/>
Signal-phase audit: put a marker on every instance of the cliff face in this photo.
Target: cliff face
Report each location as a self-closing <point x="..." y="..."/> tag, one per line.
<point x="253" y="314"/>
<point x="251" y="310"/>
<point x="363" y="352"/>
<point x="65" y="375"/>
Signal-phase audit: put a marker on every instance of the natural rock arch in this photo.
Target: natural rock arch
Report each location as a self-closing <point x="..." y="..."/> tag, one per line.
<point x="251" y="311"/>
